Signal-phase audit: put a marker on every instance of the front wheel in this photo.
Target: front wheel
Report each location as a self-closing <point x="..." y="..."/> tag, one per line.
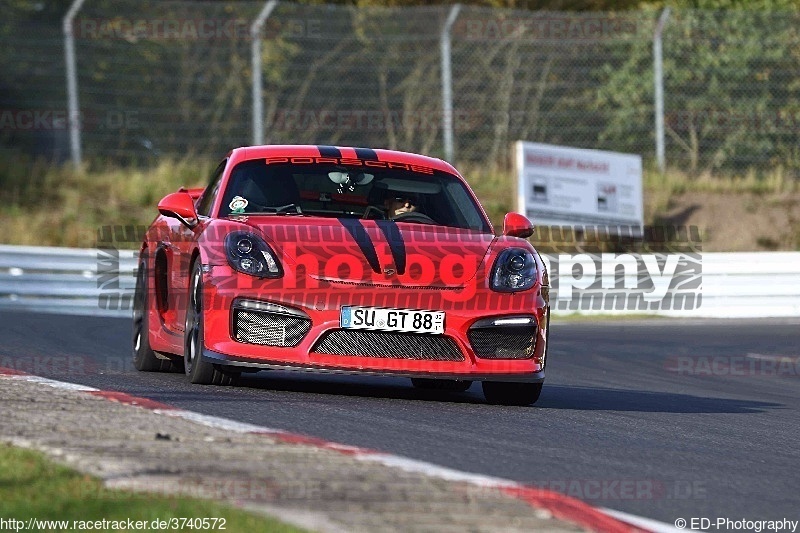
<point x="500" y="393"/>
<point x="144" y="358"/>
<point x="199" y="371"/>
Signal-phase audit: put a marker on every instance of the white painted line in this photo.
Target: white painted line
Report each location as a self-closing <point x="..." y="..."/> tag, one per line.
<point x="389" y="460"/>
<point x="52" y="383"/>
<point x="432" y="470"/>
<point x="216" y="422"/>
<point x="406" y="464"/>
<point x="791" y="359"/>
<point x="346" y="448"/>
<point x="639" y="521"/>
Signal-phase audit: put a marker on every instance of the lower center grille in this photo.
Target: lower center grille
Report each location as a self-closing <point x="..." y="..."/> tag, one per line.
<point x="269" y="329"/>
<point x="389" y="345"/>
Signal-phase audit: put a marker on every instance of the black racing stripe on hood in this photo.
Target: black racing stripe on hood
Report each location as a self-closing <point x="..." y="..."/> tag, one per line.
<point x="329" y="151"/>
<point x="365" y="244"/>
<point x="396" y="243"/>
<point x="366" y="154"/>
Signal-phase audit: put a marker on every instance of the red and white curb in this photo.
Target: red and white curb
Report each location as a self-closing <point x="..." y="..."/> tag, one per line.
<point x="558" y="505"/>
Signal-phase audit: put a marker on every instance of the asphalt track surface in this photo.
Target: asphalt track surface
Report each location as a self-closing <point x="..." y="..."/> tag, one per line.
<point x="663" y="419"/>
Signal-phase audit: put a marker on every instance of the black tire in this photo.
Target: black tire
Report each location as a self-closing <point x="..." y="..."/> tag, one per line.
<point x="199" y="371"/>
<point x="441" y="384"/>
<point x="500" y="393"/>
<point x="225" y="377"/>
<point x="144" y="358"/>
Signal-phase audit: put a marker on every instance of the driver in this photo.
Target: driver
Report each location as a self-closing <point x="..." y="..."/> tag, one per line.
<point x="398" y="204"/>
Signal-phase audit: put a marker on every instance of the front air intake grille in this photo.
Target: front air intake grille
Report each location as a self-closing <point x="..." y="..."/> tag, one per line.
<point x="389" y="345"/>
<point x="269" y="329"/>
<point x="503" y="342"/>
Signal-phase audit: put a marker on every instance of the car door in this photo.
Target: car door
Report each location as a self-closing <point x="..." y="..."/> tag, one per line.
<point x="184" y="243"/>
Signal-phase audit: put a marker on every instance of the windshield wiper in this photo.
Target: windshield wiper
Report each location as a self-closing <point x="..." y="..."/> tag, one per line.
<point x="284" y="209"/>
<point x="288" y="209"/>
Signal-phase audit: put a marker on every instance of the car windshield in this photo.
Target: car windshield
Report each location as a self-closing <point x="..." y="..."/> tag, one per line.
<point x="401" y="193"/>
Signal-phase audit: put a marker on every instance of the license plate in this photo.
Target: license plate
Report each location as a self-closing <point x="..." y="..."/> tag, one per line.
<point x="383" y="319"/>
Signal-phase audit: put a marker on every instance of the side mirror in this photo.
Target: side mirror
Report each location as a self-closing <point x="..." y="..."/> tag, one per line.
<point x="179" y="205"/>
<point x="516" y="225"/>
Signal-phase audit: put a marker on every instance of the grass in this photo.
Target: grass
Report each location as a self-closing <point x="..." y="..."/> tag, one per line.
<point x="52" y="205"/>
<point x="496" y="189"/>
<point x="59" y="206"/>
<point x="660" y="189"/>
<point x="677" y="182"/>
<point x="31" y="486"/>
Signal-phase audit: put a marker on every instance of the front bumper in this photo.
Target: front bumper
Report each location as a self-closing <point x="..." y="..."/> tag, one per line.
<point x="227" y="360"/>
<point x="323" y="304"/>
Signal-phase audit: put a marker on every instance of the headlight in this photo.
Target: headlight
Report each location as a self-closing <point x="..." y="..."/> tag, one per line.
<point x="249" y="254"/>
<point x="514" y="270"/>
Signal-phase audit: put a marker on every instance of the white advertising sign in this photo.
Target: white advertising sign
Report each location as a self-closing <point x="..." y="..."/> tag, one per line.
<point x="561" y="186"/>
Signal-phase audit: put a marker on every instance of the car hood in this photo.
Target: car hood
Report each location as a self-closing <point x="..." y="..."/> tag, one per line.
<point x="376" y="252"/>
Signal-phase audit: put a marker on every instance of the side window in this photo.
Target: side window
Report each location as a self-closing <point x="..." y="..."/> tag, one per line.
<point x="204" y="205"/>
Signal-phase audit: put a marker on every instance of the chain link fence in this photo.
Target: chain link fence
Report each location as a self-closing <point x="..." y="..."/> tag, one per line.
<point x="175" y="78"/>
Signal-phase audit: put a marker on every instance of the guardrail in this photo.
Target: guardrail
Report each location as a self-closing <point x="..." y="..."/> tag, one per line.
<point x="101" y="282"/>
<point x="67" y="280"/>
<point x="749" y="284"/>
<point x="737" y="285"/>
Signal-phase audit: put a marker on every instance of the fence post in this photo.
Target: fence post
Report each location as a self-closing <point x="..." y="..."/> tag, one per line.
<point x="658" y="67"/>
<point x="73" y="110"/>
<point x="447" y="84"/>
<point x="258" y="102"/>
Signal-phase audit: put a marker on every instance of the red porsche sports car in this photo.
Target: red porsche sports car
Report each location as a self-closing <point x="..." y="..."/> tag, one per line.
<point x="344" y="260"/>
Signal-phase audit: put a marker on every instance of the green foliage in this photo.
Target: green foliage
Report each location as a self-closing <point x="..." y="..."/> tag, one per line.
<point x="730" y="85"/>
<point x="731" y="79"/>
<point x="755" y="5"/>
<point x="33" y="487"/>
<point x="579" y="5"/>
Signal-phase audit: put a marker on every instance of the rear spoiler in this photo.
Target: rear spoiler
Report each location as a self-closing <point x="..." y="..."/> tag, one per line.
<point x="195" y="192"/>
